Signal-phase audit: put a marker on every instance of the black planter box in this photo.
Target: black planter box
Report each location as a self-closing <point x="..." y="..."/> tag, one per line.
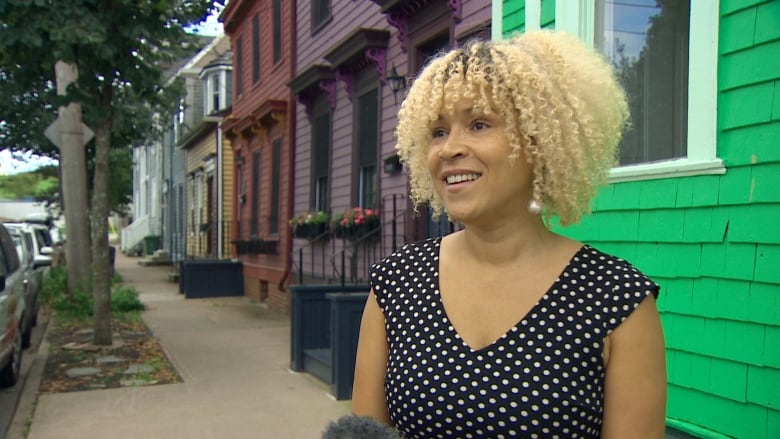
<point x="200" y="278"/>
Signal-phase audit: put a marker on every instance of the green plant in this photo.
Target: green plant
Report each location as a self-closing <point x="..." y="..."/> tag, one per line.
<point x="304" y="218"/>
<point x="309" y="224"/>
<point x="54" y="285"/>
<point x="124" y="298"/>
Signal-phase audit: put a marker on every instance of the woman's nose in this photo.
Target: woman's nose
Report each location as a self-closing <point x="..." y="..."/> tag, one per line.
<point x="453" y="146"/>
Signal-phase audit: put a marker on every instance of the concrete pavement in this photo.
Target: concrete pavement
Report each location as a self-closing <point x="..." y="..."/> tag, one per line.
<point x="233" y="356"/>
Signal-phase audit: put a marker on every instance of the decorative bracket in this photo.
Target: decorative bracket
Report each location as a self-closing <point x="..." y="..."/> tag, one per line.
<point x="379" y="56"/>
<point x="457" y="9"/>
<point x="329" y="86"/>
<point x="400" y="21"/>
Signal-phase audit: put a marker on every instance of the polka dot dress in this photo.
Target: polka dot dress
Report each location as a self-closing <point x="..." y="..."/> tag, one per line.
<point x="543" y="378"/>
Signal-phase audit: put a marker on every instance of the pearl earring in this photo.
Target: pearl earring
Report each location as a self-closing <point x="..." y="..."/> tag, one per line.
<point x="534" y="207"/>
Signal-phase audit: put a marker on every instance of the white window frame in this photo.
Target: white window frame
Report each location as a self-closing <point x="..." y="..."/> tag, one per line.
<point x="578" y="18"/>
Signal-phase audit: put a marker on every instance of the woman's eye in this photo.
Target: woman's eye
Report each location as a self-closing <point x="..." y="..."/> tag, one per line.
<point x="480" y="125"/>
<point x="439" y="132"/>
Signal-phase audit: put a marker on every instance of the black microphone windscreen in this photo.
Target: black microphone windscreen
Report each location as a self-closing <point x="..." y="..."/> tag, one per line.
<point x="359" y="427"/>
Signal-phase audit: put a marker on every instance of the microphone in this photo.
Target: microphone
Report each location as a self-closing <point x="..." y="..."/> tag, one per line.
<point x="359" y="427"/>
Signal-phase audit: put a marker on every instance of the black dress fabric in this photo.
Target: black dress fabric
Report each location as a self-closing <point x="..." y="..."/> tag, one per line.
<point x="543" y="378"/>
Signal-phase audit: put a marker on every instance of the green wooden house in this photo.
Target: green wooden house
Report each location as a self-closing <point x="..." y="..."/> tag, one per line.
<point x="695" y="203"/>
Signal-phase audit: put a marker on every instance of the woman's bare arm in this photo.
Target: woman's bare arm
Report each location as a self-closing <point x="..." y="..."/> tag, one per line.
<point x="368" y="390"/>
<point x="635" y="385"/>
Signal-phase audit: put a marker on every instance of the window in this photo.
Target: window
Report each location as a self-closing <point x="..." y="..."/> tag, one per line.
<point x="277" y="13"/>
<point x="255" y="48"/>
<point x="656" y="48"/>
<point x="648" y="46"/>
<point x="215" y="92"/>
<point x="239" y="67"/>
<point x="216" y="88"/>
<point x="320" y="13"/>
<point x="273" y="220"/>
<point x="367" y="148"/>
<point x="321" y="155"/>
<point x="255" y="194"/>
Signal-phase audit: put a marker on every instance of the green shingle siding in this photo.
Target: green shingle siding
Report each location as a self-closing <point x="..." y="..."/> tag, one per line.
<point x="768" y="22"/>
<point x="746" y="106"/>
<point x="755" y="65"/>
<point x="731" y="6"/>
<point x="771" y="350"/>
<point x="750" y="145"/>
<point x="547" y="16"/>
<point x="716" y="413"/>
<point x="738" y="190"/>
<point x="514" y="16"/>
<point x="763" y="386"/>
<point x="768" y="264"/>
<point x="712" y="242"/>
<point x="737" y="31"/>
<point x="754" y="223"/>
<point x="764" y="307"/>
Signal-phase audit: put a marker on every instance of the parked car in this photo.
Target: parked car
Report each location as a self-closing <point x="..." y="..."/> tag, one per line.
<point x="12" y="308"/>
<point x="33" y="281"/>
<point x="42" y="243"/>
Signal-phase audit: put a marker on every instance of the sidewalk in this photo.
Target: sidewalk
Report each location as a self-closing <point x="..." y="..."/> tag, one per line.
<point x="233" y="356"/>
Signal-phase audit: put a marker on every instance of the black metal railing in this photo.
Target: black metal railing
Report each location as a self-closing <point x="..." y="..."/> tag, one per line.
<point x="329" y="259"/>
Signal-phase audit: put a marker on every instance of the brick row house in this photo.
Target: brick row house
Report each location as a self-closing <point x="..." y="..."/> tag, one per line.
<point x="312" y="130"/>
<point x="694" y="202"/>
<point x="261" y="131"/>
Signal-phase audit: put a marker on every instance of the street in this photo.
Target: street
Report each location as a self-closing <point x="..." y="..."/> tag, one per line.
<point x="14" y="397"/>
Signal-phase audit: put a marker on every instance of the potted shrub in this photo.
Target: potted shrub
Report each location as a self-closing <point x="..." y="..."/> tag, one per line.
<point x="309" y="225"/>
<point x="356" y="223"/>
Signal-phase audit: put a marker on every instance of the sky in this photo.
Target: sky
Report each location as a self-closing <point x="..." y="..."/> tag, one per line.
<point x="16" y="163"/>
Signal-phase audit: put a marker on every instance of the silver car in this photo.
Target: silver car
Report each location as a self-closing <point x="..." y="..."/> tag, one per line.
<point x="33" y="280"/>
<point x="12" y="309"/>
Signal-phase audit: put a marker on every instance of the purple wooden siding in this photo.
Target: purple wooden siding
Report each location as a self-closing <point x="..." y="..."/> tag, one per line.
<point x="347" y="16"/>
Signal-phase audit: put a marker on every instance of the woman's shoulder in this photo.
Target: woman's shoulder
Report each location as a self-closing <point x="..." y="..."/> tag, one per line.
<point x="611" y="271"/>
<point x="427" y="249"/>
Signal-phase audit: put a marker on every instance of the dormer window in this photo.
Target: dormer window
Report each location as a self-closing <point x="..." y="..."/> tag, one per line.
<point x="217" y="80"/>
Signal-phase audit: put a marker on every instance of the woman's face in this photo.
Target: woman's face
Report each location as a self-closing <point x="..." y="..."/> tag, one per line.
<point x="468" y="160"/>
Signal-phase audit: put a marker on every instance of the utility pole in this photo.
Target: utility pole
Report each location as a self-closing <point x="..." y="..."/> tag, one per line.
<point x="73" y="169"/>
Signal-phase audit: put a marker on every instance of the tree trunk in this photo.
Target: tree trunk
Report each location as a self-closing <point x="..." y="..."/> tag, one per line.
<point x="101" y="267"/>
<point x="73" y="169"/>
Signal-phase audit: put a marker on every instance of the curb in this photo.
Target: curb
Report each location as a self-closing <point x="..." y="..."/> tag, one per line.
<point x="28" y="398"/>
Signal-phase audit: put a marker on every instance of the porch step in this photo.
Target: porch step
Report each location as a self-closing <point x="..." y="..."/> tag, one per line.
<point x="160" y="257"/>
<point x="318" y="363"/>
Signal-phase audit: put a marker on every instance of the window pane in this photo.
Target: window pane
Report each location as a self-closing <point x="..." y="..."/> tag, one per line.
<point x="275" y="175"/>
<point x="255" y="48"/>
<point x="320" y="12"/>
<point x="320" y="153"/>
<point x="215" y="93"/>
<point x="239" y="66"/>
<point x="277" y="15"/>
<point x="647" y="42"/>
<point x="367" y="187"/>
<point x="255" y="194"/>
<point x="368" y="146"/>
<point x="321" y="194"/>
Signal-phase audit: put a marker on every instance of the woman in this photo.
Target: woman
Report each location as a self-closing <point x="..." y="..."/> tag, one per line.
<point x="505" y="328"/>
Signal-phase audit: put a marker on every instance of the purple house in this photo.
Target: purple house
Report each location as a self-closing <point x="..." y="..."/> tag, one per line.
<point x="353" y="62"/>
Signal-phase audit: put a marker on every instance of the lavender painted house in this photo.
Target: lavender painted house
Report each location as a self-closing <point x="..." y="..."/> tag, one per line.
<point x="344" y="141"/>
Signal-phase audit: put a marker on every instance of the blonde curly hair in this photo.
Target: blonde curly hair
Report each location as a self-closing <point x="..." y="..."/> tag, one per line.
<point x="562" y="106"/>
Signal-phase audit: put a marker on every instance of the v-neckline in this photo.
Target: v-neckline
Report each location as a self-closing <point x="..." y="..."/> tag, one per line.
<point x="524" y="319"/>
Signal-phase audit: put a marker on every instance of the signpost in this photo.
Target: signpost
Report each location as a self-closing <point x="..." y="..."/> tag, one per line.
<point x="70" y="135"/>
